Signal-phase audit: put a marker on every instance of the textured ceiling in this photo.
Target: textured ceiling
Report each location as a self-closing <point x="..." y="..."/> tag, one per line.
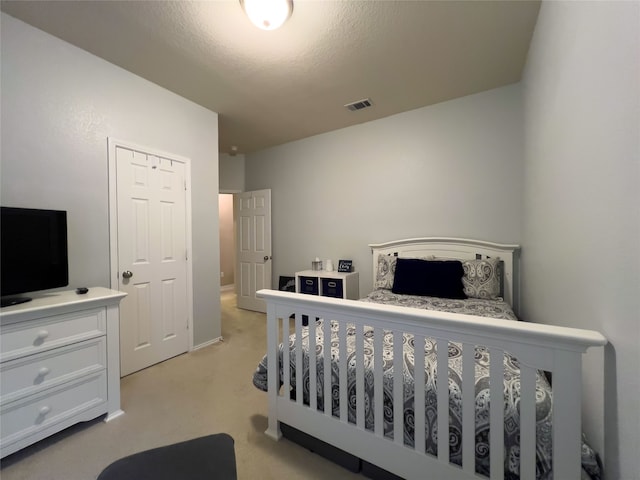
<point x="273" y="87"/>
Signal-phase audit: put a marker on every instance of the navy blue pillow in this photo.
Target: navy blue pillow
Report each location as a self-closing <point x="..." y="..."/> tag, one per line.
<point x="433" y="278"/>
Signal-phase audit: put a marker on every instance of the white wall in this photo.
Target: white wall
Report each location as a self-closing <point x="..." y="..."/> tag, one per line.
<point x="581" y="231"/>
<point x="59" y="105"/>
<point x="231" y="173"/>
<point x="452" y="169"/>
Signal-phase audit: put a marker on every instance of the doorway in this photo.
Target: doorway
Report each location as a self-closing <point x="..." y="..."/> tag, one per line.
<point x="227" y="242"/>
<point x="252" y="218"/>
<point x="245" y="240"/>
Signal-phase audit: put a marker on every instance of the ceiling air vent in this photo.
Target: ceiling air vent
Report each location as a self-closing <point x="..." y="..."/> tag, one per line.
<point x="359" y="105"/>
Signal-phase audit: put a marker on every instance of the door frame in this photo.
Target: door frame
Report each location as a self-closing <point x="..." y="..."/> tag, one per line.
<point x="112" y="144"/>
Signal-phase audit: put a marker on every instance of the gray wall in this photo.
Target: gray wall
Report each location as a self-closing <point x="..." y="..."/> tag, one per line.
<point x="581" y="230"/>
<point x="59" y="105"/>
<point x="452" y="169"/>
<point x="231" y="173"/>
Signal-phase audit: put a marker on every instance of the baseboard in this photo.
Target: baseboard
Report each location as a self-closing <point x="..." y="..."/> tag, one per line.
<point x="113" y="415"/>
<point x="206" y="344"/>
<point x="226" y="288"/>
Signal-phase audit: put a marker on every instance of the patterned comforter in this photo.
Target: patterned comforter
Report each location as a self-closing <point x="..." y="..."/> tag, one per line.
<point x="470" y="306"/>
<point x="486" y="308"/>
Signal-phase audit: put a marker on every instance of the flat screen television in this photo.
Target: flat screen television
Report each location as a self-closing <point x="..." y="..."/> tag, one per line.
<point x="33" y="252"/>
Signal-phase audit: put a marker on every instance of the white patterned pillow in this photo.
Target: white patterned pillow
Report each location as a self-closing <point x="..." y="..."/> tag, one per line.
<point x="385" y="272"/>
<point x="482" y="278"/>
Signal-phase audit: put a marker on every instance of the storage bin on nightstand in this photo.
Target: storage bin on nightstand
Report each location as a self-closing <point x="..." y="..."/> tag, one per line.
<point x="308" y="285"/>
<point x="329" y="284"/>
<point x="332" y="287"/>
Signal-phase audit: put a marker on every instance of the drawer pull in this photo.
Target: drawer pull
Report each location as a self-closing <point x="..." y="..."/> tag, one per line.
<point x="309" y="282"/>
<point x="42" y="334"/>
<point x="332" y="284"/>
<point x="43" y="371"/>
<point x="40" y="338"/>
<point x="44" y="410"/>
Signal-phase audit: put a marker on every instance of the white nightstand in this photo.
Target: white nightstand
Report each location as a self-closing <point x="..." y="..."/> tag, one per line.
<point x="329" y="284"/>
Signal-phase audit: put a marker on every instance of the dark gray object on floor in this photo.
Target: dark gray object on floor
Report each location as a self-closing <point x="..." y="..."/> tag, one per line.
<point x="205" y="458"/>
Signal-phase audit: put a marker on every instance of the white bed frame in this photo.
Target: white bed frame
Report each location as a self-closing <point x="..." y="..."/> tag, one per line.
<point x="554" y="349"/>
<point x="459" y="249"/>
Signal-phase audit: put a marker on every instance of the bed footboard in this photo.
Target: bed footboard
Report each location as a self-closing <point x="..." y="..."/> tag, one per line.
<point x="345" y="413"/>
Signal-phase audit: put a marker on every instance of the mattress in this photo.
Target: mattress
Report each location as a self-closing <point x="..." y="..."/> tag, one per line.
<point x="484" y="308"/>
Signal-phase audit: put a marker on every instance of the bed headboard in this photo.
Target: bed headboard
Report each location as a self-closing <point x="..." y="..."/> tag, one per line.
<point x="458" y="249"/>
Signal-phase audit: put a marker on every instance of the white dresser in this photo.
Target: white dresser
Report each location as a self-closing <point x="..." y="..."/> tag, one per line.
<point x="59" y="364"/>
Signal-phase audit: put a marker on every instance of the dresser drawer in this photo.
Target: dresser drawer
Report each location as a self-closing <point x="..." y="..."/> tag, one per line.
<point x="53" y="406"/>
<point x="309" y="285"/>
<point x="33" y="336"/>
<point x="28" y="375"/>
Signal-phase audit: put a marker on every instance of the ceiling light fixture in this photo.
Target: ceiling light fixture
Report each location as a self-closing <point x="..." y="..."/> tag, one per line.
<point x="267" y="14"/>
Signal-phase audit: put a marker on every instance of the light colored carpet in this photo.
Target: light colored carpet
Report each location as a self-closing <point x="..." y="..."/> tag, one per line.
<point x="195" y="394"/>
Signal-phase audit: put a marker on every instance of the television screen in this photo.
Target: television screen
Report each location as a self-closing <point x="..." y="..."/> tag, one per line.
<point x="33" y="252"/>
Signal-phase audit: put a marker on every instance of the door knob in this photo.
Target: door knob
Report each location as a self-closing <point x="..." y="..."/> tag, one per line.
<point x="127" y="274"/>
<point x="267" y="257"/>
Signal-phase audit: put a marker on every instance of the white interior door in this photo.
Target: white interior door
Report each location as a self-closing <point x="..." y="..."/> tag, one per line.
<point x="152" y="258"/>
<point x="252" y="216"/>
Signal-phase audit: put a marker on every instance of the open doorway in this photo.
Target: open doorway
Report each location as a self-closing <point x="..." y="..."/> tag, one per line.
<point x="227" y="242"/>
